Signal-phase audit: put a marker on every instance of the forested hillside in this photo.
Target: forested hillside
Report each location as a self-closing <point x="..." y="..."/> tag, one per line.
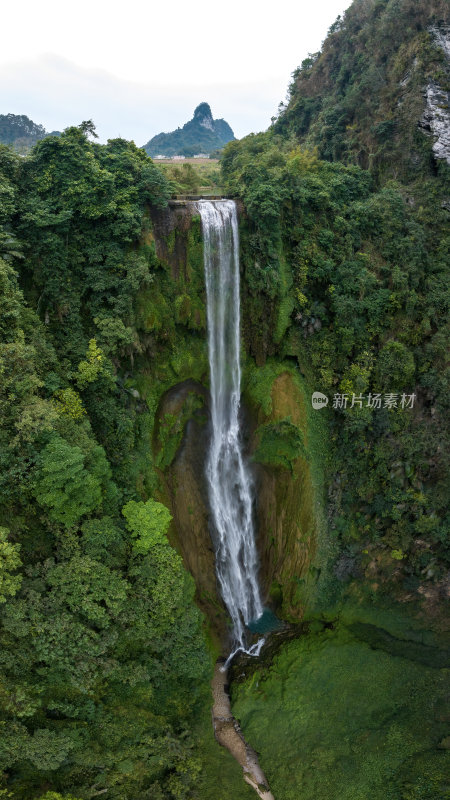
<point x="378" y="90"/>
<point x="103" y="664"/>
<point x="347" y="271"/>
<point x="21" y="132"/>
<point x="345" y="238"/>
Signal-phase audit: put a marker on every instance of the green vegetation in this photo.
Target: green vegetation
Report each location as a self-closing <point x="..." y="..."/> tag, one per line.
<point x="258" y="382"/>
<point x="104" y="662"/>
<point x="346" y="249"/>
<point x="202" y="134"/>
<point x="199" y="177"/>
<point x="172" y="427"/>
<point x="21" y="132"/>
<point x="361" y="98"/>
<point x="341" y="714"/>
<point x="279" y="444"/>
<point x="103" y="665"/>
<point x="351" y="281"/>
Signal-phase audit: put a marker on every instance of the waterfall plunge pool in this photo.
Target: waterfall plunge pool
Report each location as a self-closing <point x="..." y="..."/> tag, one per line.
<point x="266" y="623"/>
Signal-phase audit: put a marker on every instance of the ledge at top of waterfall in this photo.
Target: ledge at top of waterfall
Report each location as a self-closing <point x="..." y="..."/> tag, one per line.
<point x="230" y="485"/>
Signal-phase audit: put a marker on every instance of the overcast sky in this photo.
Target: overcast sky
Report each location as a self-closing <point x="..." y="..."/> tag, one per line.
<point x="140" y="68"/>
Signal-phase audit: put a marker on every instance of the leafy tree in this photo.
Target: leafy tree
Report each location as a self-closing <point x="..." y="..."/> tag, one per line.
<point x="9" y="563"/>
<point x="103" y="541"/>
<point x="395" y="367"/>
<point x="90" y="369"/>
<point x="90" y="589"/>
<point x="102" y="658"/>
<point x="67" y="401"/>
<point x="148" y="523"/>
<point x="88" y="128"/>
<point x="57" y="796"/>
<point x="63" y="485"/>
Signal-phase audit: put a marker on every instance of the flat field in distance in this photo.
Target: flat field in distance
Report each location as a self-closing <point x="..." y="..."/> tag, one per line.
<point x="192" y="175"/>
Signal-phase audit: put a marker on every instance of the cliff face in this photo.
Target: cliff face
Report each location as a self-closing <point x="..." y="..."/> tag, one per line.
<point x="287" y="511"/>
<point x="436" y="116"/>
<point x="289" y="507"/>
<point x="379" y="84"/>
<point x="183" y="490"/>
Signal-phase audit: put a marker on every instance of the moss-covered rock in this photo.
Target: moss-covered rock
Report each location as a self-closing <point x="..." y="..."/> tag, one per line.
<point x="347" y="713"/>
<point x="182" y="416"/>
<point x="289" y="494"/>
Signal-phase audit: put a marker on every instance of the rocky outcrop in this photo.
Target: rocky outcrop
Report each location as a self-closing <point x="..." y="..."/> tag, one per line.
<point x="436" y="119"/>
<point x="202" y="134"/>
<point x="441" y="36"/>
<point x="436" y="116"/>
<point x="172" y="232"/>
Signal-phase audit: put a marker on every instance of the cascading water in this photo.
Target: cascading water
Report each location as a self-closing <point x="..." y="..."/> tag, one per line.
<point x="229" y="480"/>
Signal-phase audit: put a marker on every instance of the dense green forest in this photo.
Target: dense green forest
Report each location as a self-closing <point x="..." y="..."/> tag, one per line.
<point x="103" y="661"/>
<point x="105" y="650"/>
<point x="347" y="270"/>
<point x="360" y="301"/>
<point x="346" y="245"/>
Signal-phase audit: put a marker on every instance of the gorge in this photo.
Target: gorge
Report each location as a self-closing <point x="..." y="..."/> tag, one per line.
<point x="140" y="415"/>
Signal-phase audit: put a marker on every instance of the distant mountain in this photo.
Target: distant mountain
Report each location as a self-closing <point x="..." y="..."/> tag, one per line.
<point x="202" y="134"/>
<point x="20" y="132"/>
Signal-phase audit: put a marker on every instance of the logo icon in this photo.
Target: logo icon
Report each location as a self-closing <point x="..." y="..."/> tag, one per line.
<point x="319" y="400"/>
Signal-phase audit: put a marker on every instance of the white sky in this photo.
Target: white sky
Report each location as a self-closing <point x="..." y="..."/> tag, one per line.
<point x="139" y="68"/>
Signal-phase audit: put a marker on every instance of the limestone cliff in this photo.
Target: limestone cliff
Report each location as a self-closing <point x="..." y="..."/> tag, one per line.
<point x="289" y="504"/>
<point x="436" y="116"/>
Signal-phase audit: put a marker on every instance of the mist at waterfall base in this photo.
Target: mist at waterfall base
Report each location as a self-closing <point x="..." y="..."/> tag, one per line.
<point x="230" y="486"/>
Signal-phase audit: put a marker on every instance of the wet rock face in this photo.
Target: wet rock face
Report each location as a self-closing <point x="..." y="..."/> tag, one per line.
<point x="285" y="512"/>
<point x="286" y="519"/>
<point x="285" y="515"/>
<point x="436" y="117"/>
<point x="185" y="493"/>
<point x="171" y="226"/>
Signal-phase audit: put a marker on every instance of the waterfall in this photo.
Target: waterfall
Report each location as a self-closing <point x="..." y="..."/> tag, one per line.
<point x="229" y="481"/>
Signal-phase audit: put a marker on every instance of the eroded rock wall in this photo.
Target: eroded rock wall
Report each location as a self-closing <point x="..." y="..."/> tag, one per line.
<point x="436" y="116"/>
<point x="287" y="499"/>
